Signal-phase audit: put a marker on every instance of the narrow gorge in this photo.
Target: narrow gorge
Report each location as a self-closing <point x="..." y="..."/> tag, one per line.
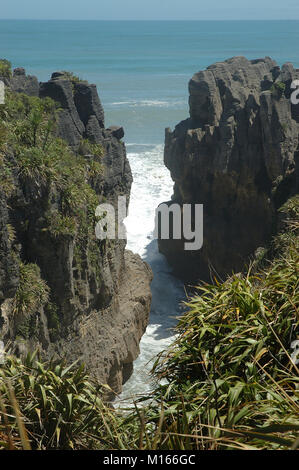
<point x="237" y="154"/>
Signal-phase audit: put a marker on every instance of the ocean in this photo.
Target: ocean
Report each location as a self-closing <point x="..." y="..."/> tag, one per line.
<point x="142" y="71"/>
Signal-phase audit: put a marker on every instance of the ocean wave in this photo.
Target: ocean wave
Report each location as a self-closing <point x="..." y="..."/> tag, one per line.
<point x="148" y="103"/>
<point x="150" y="153"/>
<point x="136" y="144"/>
<point x="152" y="184"/>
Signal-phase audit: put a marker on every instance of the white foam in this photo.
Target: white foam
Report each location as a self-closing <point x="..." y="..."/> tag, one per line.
<point x="152" y="185"/>
<point x="148" y="103"/>
<point x="138" y="145"/>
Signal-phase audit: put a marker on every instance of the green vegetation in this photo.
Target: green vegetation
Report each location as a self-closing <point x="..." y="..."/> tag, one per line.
<point x="11" y="233"/>
<point x="5" y="68"/>
<point x="6" y="175"/>
<point x="72" y="77"/>
<point x="230" y="378"/>
<point x="229" y="381"/>
<point x="60" y="225"/>
<point x="28" y="127"/>
<point x="53" y="320"/>
<point x="32" y="156"/>
<point x="278" y="89"/>
<point x="89" y="148"/>
<point x="61" y="406"/>
<point x="32" y="292"/>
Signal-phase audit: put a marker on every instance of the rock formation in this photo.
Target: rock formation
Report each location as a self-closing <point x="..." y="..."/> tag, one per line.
<point x="237" y="155"/>
<point x="99" y="293"/>
<point x="22" y="83"/>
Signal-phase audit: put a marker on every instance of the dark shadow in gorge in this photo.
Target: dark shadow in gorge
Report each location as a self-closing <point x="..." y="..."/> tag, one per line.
<point x="167" y="291"/>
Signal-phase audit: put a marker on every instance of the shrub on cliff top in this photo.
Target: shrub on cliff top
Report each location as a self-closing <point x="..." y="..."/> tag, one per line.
<point x="71" y="76"/>
<point x="5" y="68"/>
<point x="29" y="120"/>
<point x="278" y="88"/>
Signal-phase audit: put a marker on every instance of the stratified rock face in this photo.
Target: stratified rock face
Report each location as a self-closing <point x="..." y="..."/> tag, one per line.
<point x="102" y="298"/>
<point x="237" y="155"/>
<point x="22" y="83"/>
<point x="88" y="103"/>
<point x="71" y="128"/>
<point x="82" y="112"/>
<point x="108" y="340"/>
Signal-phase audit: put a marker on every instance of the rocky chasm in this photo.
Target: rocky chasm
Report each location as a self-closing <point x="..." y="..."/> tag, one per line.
<point x="100" y="294"/>
<point x="237" y="154"/>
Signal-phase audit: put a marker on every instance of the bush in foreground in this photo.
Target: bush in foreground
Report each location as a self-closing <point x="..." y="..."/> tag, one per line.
<point x="230" y="380"/>
<point x="50" y="406"/>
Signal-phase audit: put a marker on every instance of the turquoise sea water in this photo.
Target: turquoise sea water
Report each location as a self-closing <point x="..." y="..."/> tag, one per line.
<point x="142" y="68"/>
<point x="142" y="71"/>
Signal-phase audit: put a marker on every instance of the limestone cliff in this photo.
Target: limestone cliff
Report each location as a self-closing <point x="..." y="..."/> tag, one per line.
<point x="94" y="297"/>
<point x="237" y="155"/>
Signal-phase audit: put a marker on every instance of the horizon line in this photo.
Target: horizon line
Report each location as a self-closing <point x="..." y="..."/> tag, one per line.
<point x="151" y="19"/>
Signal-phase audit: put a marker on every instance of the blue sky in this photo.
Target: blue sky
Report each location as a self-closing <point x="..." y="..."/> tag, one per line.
<point x="150" y="9"/>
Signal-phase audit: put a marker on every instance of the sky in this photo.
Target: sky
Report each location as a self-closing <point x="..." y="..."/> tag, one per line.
<point x="150" y="9"/>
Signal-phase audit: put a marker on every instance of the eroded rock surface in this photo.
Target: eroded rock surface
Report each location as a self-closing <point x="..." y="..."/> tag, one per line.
<point x="237" y="155"/>
<point x="100" y="295"/>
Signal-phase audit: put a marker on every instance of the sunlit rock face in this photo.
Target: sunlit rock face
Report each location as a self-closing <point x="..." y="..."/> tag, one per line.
<point x="237" y="154"/>
<point x="101" y="306"/>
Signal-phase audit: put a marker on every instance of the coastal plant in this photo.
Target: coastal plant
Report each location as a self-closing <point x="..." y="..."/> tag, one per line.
<point x="29" y="119"/>
<point x="53" y="406"/>
<point x="46" y="160"/>
<point x="6" y="176"/>
<point x="32" y="291"/>
<point x="32" y="156"/>
<point x="5" y="68"/>
<point x="60" y="225"/>
<point x="53" y="319"/>
<point x="89" y="148"/>
<point x="71" y="76"/>
<point x="11" y="233"/>
<point x="278" y="89"/>
<point x="229" y="380"/>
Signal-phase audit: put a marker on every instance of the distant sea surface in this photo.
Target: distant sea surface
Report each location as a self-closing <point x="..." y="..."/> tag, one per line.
<point x="142" y="68"/>
<point x="142" y="71"/>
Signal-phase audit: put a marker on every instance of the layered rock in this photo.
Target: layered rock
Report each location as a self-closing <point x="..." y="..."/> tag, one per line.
<point x="22" y="83"/>
<point x="237" y="155"/>
<point x="99" y="293"/>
